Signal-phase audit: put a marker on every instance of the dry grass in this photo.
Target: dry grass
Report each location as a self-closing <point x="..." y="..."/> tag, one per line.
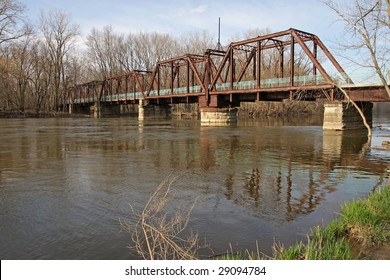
<point x="160" y="233"/>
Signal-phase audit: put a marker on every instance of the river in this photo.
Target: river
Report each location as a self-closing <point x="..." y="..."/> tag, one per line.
<point x="65" y="184"/>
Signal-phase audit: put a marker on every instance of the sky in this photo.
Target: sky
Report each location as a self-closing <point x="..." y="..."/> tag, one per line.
<point x="178" y="17"/>
<point x="181" y="16"/>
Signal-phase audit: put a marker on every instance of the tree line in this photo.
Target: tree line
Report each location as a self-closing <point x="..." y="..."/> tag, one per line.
<point x="38" y="63"/>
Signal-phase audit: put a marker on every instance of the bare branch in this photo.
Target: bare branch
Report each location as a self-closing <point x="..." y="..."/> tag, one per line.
<point x="159" y="233"/>
<point x="365" y="23"/>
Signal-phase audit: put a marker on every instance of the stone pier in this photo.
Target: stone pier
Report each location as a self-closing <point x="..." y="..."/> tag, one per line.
<point x="218" y="116"/>
<point x="344" y="116"/>
<point x="153" y="111"/>
<point x="100" y="110"/>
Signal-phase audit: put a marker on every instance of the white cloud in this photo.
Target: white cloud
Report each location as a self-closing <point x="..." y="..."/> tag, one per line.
<point x="199" y="10"/>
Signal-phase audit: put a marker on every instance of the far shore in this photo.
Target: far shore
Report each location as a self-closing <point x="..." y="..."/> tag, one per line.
<point x="23" y="115"/>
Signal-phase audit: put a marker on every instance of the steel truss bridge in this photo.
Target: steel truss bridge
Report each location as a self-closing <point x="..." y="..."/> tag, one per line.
<point x="273" y="67"/>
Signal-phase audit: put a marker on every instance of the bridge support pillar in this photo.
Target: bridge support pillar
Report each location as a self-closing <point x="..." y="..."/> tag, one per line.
<point x="344" y="116"/>
<point x="218" y="116"/>
<point x="70" y="108"/>
<point x="95" y="110"/>
<point x="100" y="110"/>
<point x="153" y="111"/>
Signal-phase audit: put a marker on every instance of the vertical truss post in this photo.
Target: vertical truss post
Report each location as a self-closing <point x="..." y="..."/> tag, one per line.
<point x="231" y="68"/>
<point x="188" y="76"/>
<point x="172" y="78"/>
<point x="126" y="87"/>
<point x="178" y="76"/>
<point x="192" y="77"/>
<point x="208" y="78"/>
<point x="315" y="56"/>
<point x="254" y="66"/>
<point x="281" y="62"/>
<point x="258" y="65"/>
<point x="110" y="90"/>
<point x="158" y="80"/>
<point x="292" y="63"/>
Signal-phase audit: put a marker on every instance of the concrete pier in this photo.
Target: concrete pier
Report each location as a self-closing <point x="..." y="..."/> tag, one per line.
<point x="218" y="116"/>
<point x="344" y="116"/>
<point x="153" y="111"/>
<point x="100" y="110"/>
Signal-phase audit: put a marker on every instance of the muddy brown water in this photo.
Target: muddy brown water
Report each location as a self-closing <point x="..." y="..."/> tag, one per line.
<point x="66" y="183"/>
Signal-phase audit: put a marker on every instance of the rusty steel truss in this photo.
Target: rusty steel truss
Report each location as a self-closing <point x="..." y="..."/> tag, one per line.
<point x="287" y="64"/>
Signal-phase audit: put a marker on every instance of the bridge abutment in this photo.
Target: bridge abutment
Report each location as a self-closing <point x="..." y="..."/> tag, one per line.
<point x="218" y="116"/>
<point x="340" y="115"/>
<point x="153" y="111"/>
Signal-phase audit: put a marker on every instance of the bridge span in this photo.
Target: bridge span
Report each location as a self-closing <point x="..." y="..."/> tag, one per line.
<point x="290" y="64"/>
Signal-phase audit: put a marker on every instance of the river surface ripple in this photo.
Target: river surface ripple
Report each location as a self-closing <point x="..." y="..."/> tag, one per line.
<point x="66" y="183"/>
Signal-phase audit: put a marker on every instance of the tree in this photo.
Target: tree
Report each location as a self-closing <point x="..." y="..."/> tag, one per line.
<point x="12" y="23"/>
<point x="367" y="27"/>
<point x="21" y="71"/>
<point x="59" y="37"/>
<point x="149" y="48"/>
<point x="40" y="76"/>
<point x="103" y="47"/>
<point x="13" y="56"/>
<point x="195" y="42"/>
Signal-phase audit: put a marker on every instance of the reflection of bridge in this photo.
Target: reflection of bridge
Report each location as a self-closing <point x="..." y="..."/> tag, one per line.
<point x="287" y="64"/>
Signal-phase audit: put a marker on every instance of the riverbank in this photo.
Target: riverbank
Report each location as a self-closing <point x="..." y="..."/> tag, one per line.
<point x="23" y="115"/>
<point x="361" y="232"/>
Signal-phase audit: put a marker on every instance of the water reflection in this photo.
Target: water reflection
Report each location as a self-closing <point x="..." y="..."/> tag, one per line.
<point x="289" y="175"/>
<point x="65" y="183"/>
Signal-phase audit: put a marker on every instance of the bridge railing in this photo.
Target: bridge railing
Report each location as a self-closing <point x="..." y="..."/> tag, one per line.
<point x="273" y="83"/>
<point x="180" y="90"/>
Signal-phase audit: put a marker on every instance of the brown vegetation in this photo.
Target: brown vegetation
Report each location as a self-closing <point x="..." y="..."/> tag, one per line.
<point x="285" y="108"/>
<point x="159" y="232"/>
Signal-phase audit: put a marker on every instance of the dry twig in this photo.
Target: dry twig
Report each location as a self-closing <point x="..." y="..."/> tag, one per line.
<point x="159" y="232"/>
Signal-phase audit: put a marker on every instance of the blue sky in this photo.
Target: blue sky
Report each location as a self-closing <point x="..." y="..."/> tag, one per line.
<point x="180" y="16"/>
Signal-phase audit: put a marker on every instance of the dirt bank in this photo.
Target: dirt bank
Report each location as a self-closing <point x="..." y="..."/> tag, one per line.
<point x="20" y="115"/>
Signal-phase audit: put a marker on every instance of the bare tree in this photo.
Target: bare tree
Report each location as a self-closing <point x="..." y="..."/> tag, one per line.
<point x="367" y="26"/>
<point x="195" y="42"/>
<point x="126" y="53"/>
<point x="41" y="76"/>
<point x="103" y="47"/>
<point x="12" y="23"/>
<point x="152" y="47"/>
<point x="60" y="35"/>
<point x="21" y="71"/>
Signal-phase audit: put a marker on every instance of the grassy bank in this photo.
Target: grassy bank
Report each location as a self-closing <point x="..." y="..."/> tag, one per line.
<point x="363" y="224"/>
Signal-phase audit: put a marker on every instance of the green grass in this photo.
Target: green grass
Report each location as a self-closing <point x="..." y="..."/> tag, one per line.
<point x="367" y="221"/>
<point x="323" y="244"/>
<point x="363" y="223"/>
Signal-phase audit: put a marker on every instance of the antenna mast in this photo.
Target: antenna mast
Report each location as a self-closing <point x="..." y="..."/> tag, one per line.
<point x="219" y="46"/>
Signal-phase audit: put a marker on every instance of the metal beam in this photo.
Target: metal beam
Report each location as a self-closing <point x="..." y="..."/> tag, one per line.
<point x="311" y="56"/>
<point x="333" y="60"/>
